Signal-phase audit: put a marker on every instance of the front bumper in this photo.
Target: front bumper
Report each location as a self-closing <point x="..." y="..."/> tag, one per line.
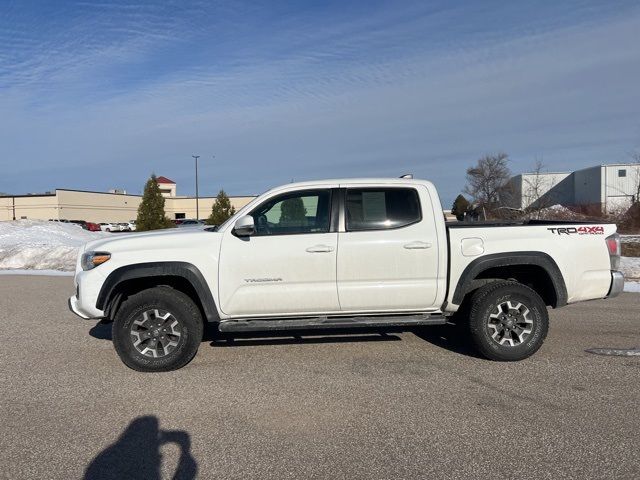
<point x="617" y="284"/>
<point x="83" y="303"/>
<point x="73" y="306"/>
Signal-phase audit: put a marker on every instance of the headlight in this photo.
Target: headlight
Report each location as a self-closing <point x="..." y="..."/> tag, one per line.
<point x="93" y="259"/>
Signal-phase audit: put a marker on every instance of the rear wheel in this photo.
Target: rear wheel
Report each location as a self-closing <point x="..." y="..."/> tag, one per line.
<point x="157" y="330"/>
<point x="508" y="321"/>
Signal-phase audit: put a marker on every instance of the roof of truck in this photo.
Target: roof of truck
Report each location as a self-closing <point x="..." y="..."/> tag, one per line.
<point x="334" y="181"/>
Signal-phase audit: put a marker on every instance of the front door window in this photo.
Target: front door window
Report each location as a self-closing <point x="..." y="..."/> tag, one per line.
<point x="294" y="213"/>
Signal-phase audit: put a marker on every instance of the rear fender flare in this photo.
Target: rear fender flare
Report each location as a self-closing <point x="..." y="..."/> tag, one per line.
<point x="483" y="263"/>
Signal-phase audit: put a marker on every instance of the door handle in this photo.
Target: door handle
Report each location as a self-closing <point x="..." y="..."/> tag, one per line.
<point x="417" y="245"/>
<point x="320" y="249"/>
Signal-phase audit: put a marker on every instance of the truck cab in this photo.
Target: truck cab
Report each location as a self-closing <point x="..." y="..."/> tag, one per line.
<point x="351" y="247"/>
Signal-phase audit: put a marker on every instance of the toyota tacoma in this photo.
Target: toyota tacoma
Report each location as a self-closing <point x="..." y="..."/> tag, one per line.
<point x="342" y="253"/>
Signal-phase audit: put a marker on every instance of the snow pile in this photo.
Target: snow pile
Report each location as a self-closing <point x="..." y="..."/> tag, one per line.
<point x="557" y="212"/>
<point x="36" y="273"/>
<point x="632" y="287"/>
<point x="558" y="209"/>
<point x="630" y="266"/>
<point x="41" y="245"/>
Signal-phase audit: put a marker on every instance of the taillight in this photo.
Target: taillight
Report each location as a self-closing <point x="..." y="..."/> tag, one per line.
<point x="615" y="250"/>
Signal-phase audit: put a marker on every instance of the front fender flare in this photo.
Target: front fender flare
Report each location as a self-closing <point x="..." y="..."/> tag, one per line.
<point x="184" y="270"/>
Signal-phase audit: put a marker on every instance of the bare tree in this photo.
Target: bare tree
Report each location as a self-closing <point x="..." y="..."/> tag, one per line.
<point x="635" y="156"/>
<point x="487" y="180"/>
<point x="537" y="191"/>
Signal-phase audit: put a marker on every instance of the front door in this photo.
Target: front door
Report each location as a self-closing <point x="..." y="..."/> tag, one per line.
<point x="289" y="265"/>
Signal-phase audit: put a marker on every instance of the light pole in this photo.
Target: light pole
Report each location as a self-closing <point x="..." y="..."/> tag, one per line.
<point x="196" y="157"/>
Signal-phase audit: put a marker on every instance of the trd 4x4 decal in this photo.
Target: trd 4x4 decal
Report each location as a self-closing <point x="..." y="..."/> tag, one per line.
<point x="586" y="230"/>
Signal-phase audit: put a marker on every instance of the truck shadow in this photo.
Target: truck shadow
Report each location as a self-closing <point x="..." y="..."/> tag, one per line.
<point x="136" y="454"/>
<point x="449" y="337"/>
<point x="101" y="330"/>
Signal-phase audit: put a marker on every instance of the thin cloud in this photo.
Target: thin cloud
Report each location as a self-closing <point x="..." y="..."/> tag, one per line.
<point x="380" y="93"/>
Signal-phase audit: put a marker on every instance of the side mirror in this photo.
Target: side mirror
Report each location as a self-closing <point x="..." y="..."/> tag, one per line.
<point x="244" y="226"/>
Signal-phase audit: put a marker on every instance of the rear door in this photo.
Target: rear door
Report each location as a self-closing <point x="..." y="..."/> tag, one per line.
<point x="387" y="249"/>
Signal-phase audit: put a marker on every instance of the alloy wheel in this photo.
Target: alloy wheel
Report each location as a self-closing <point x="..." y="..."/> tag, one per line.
<point x="510" y="324"/>
<point x="156" y="333"/>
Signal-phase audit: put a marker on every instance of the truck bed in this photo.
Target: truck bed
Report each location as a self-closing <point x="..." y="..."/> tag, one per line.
<point x="576" y="249"/>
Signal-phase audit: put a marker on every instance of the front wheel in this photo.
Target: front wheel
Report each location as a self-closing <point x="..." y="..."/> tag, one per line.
<point x="157" y="330"/>
<point x="508" y="321"/>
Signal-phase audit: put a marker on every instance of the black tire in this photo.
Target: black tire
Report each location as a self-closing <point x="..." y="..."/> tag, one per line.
<point x="504" y="338"/>
<point x="145" y="307"/>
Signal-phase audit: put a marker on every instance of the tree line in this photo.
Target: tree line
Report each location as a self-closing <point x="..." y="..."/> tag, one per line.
<point x="151" y="214"/>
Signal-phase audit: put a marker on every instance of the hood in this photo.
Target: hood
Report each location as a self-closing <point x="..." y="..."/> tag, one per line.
<point x="171" y="237"/>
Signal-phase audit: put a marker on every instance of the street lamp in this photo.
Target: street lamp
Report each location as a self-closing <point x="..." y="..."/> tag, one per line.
<point x="196" y="157"/>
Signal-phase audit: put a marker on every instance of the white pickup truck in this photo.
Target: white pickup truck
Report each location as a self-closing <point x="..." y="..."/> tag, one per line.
<point x="342" y="253"/>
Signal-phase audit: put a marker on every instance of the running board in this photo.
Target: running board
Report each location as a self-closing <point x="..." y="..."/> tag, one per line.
<point x="260" y="325"/>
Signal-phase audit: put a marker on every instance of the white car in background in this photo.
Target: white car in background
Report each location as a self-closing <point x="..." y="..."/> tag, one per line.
<point x="110" y="227"/>
<point x="132" y="225"/>
<point x="191" y="223"/>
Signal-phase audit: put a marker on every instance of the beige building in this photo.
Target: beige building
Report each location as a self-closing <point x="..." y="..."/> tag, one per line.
<point x="103" y="207"/>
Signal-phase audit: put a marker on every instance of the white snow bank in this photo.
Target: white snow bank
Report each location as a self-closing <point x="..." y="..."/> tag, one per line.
<point x="630" y="266"/>
<point x="50" y="273"/>
<point x="632" y="287"/>
<point x="41" y="245"/>
<point x="557" y="208"/>
<point x="557" y="212"/>
<point x="630" y="238"/>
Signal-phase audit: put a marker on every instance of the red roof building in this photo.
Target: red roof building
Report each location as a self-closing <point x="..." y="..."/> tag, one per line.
<point x="162" y="179"/>
<point x="167" y="186"/>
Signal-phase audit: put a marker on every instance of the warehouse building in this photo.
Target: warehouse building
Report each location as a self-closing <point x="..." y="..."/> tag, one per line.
<point x="114" y="206"/>
<point x="611" y="188"/>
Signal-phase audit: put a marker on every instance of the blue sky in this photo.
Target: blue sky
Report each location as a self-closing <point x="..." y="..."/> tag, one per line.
<point x="96" y="95"/>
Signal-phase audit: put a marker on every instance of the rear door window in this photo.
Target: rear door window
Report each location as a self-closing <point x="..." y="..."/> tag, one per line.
<point x="381" y="208"/>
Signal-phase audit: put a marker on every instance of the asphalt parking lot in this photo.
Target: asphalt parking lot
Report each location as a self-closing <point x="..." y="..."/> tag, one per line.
<point x="398" y="405"/>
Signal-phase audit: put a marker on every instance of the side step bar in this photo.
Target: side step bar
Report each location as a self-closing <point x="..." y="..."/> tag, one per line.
<point x="259" y="325"/>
